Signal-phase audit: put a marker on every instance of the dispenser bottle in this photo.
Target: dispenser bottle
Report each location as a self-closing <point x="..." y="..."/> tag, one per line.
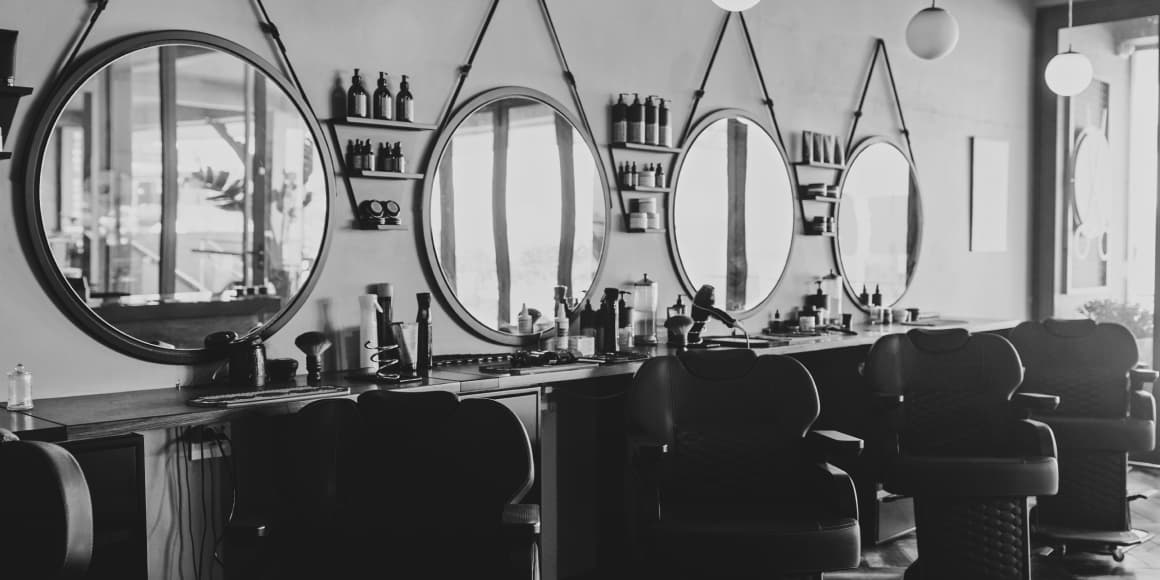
<point x="357" y="97"/>
<point x="588" y="323"/>
<point x="405" y="103"/>
<point x="608" y="320"/>
<point x="665" y="124"/>
<point x="400" y="159"/>
<point x="19" y="389"/>
<point x="651" y="128"/>
<point x="620" y="121"/>
<point x="636" y="121"/>
<point x="384" y="102"/>
<point x="562" y="324"/>
<point x="425" y="357"/>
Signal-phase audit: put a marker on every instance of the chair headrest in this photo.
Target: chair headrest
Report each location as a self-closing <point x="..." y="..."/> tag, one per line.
<point x="939" y="341"/>
<point x="1070" y="328"/>
<point x="729" y="363"/>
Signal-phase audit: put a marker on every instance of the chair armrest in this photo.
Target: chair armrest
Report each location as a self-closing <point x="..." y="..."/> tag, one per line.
<point x="1141" y="375"/>
<point x="833" y="487"/>
<point x="1143" y="406"/>
<point x="521" y="521"/>
<point x="1033" y="439"/>
<point x="827" y="444"/>
<point x="1034" y="402"/>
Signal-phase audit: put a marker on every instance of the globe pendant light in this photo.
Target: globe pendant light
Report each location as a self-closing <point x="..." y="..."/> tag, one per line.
<point x="932" y="33"/>
<point x="1068" y="73"/>
<point x="736" y="5"/>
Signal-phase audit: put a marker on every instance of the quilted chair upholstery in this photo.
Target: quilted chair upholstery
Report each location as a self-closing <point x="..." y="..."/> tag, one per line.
<point x="1103" y="415"/>
<point x="727" y="479"/>
<point x="963" y="451"/>
<point x="48" y="513"/>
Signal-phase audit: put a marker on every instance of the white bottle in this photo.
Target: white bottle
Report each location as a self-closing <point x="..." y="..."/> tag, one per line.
<point x="19" y="389"/>
<point x="562" y="325"/>
<point x="524" y="321"/>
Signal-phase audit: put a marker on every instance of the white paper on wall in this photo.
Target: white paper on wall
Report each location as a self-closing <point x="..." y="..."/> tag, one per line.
<point x="989" y="189"/>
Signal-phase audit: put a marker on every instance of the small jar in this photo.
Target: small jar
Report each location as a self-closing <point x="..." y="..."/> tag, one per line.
<point x="19" y="389"/>
<point x="637" y="221"/>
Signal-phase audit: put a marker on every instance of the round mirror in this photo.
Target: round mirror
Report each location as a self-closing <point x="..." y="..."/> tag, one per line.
<point x="732" y="217"/>
<point x="177" y="187"/>
<point x="516" y="204"/>
<point x="1090" y="172"/>
<point x="879" y="221"/>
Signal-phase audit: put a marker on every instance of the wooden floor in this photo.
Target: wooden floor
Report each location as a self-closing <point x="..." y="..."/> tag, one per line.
<point x="889" y="561"/>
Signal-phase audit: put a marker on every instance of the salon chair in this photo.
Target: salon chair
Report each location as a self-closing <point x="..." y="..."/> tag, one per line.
<point x="726" y="478"/>
<point x="962" y="447"/>
<point x="1104" y="414"/>
<point x="399" y="485"/>
<point x="47" y="512"/>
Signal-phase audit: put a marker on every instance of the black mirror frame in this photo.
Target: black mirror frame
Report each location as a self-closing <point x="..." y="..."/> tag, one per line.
<point x="675" y="253"/>
<point x="446" y="294"/>
<point x="917" y="211"/>
<point x="26" y="186"/>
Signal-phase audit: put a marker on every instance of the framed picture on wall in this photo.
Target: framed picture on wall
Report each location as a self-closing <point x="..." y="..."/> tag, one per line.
<point x="1088" y="181"/>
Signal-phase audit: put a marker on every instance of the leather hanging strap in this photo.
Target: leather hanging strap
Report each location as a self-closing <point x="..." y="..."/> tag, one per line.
<point x="879" y="50"/>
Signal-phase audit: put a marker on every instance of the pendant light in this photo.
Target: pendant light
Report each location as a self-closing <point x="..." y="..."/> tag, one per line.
<point x="736" y="5"/>
<point x="1068" y="73"/>
<point x="932" y="33"/>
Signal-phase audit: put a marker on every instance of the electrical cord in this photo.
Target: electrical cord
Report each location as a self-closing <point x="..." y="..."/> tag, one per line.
<point x="206" y="520"/>
<point x="184" y="440"/>
<point x="232" y="470"/>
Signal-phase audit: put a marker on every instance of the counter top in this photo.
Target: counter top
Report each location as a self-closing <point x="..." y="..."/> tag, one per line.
<point x="88" y="416"/>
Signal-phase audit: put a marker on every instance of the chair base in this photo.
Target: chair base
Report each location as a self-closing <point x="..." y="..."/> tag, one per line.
<point x="972" y="538"/>
<point x="1065" y="541"/>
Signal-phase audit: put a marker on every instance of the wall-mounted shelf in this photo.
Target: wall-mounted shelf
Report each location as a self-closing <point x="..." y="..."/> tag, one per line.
<point x="381" y="228"/>
<point x="819" y="198"/>
<point x="820" y="234"/>
<point x="15" y="91"/>
<point x="646" y="189"/>
<point x="648" y="231"/>
<point x="9" y="100"/>
<point x="648" y="148"/>
<point x="830" y="166"/>
<point x="366" y="174"/>
<point x="384" y="124"/>
<point x="4" y="155"/>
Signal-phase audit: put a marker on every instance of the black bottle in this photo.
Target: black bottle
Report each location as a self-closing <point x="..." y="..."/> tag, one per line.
<point x="400" y="159"/>
<point x="876" y="298"/>
<point x="633" y="176"/>
<point x="636" y="121"/>
<point x="620" y="121"/>
<point x="651" y="129"/>
<point x="425" y="359"/>
<point x="588" y="320"/>
<point x="665" y="126"/>
<point x="368" y="156"/>
<point x="405" y="103"/>
<point x="660" y="179"/>
<point x="864" y="297"/>
<point x="384" y="102"/>
<point x="357" y="97"/>
<point x="350" y="156"/>
<point x="607" y="321"/>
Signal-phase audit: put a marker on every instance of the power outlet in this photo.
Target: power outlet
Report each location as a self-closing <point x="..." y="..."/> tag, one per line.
<point x="207" y="442"/>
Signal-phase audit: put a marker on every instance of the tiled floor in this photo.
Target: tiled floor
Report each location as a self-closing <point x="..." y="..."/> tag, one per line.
<point x="888" y="562"/>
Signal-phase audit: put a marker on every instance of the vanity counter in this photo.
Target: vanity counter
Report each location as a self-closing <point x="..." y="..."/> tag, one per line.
<point x="109" y="414"/>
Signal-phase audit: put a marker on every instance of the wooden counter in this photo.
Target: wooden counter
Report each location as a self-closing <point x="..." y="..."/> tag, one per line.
<point x="109" y="414"/>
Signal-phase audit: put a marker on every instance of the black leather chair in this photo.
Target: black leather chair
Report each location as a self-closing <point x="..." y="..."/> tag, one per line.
<point x="47" y="513"/>
<point x="400" y="485"/>
<point x="964" y="450"/>
<point x="727" y="479"/>
<point x="1103" y="415"/>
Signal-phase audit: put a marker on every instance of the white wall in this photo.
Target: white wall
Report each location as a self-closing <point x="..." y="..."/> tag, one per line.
<point x="814" y="55"/>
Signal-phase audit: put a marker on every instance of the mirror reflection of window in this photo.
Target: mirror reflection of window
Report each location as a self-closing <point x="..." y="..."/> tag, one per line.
<point x="176" y="175"/>
<point x="877" y="221"/>
<point x="517" y="208"/>
<point x="734" y="212"/>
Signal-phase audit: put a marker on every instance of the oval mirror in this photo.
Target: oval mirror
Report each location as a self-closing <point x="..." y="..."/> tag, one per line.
<point x="1090" y="173"/>
<point x="732" y="217"/>
<point x="879" y="221"/>
<point x="516" y="204"/>
<point x="178" y="187"/>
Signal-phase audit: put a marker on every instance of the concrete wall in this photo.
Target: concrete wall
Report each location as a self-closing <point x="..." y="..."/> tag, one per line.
<point x="814" y="56"/>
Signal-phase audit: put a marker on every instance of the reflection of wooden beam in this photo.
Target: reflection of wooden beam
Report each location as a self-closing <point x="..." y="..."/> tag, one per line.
<point x="499" y="160"/>
<point x="737" y="263"/>
<point x="447" y="214"/>
<point x="169" y="186"/>
<point x="238" y="147"/>
<point x="263" y="188"/>
<point x="565" y="145"/>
